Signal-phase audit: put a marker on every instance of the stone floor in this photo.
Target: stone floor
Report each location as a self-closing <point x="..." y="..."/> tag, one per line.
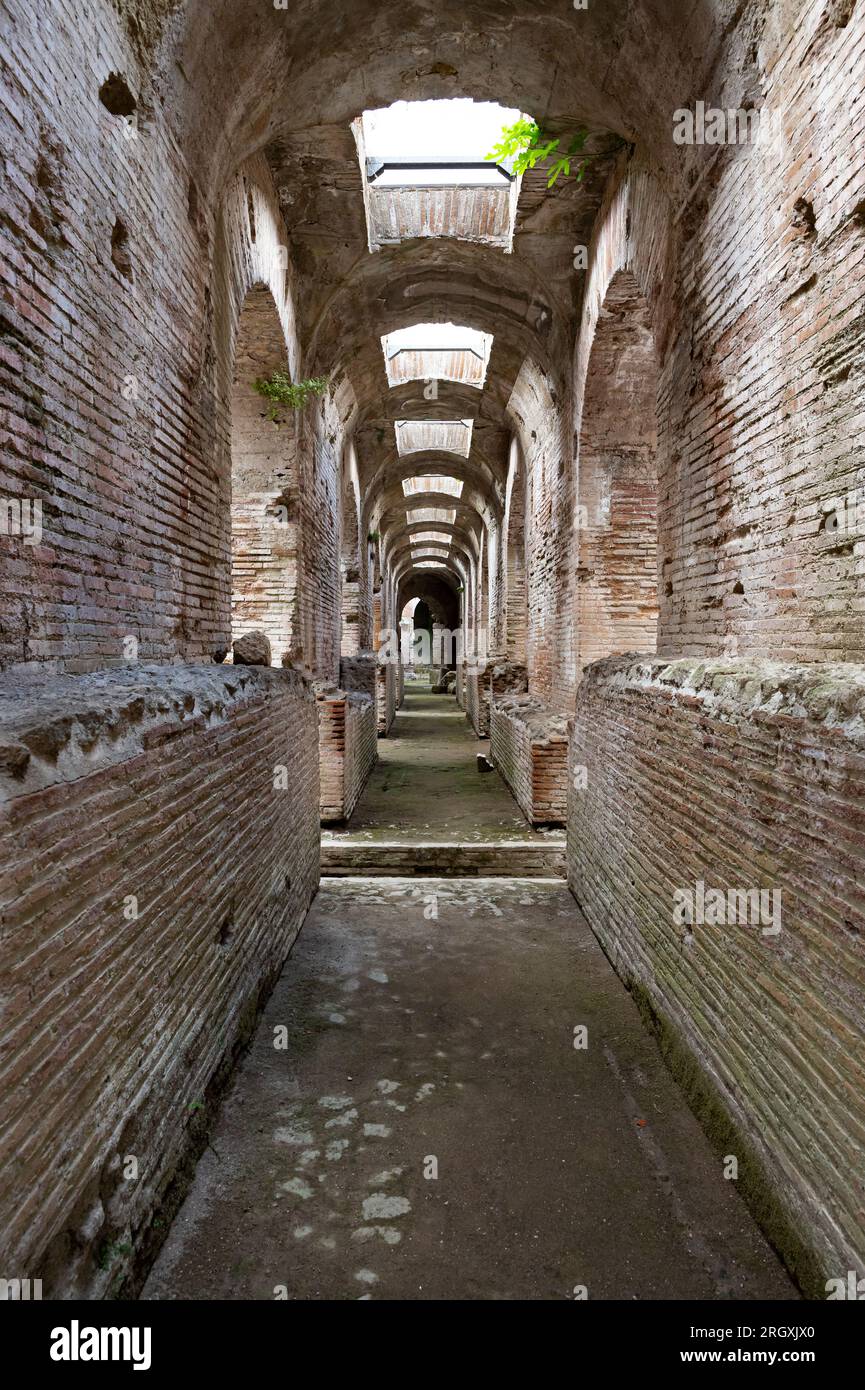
<point x="429" y="1130"/>
<point x="426" y="784"/>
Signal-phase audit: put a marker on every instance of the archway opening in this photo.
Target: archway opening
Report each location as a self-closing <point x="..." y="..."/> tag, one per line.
<point x="618" y="481"/>
<point x="264" y="520"/>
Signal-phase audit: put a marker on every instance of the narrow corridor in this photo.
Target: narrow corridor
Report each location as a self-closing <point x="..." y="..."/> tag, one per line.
<point x="426" y="781"/>
<point x="421" y="1114"/>
<point x="432" y="652"/>
<point x="413" y="1037"/>
<point x="426" y="789"/>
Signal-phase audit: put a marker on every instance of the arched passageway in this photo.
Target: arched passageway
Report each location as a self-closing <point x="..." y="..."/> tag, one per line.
<point x="589" y="428"/>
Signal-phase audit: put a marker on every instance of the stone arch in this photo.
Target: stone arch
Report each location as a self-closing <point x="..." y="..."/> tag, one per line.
<point x="265" y="530"/>
<point x="617" y="594"/>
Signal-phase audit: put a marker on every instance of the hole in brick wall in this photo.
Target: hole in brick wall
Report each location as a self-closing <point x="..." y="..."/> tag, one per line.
<point x="668" y="589"/>
<point x="116" y="96"/>
<point x="803" y="218"/>
<point x="120" y="249"/>
<point x="250" y="211"/>
<point x="226" y="932"/>
<point x="841" y="12"/>
<point x="286" y="887"/>
<point x="738" y="587"/>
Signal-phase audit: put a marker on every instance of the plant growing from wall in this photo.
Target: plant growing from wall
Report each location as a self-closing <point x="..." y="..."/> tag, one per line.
<point x="525" y="144"/>
<point x="279" y="389"/>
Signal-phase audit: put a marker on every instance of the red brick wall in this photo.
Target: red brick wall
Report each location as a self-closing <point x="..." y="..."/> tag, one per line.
<point x="103" y="371"/>
<point x="115" y="1027"/>
<point x="529" y="746"/>
<point x="347" y="746"/>
<point x="122" y="283"/>
<point x="746" y="775"/>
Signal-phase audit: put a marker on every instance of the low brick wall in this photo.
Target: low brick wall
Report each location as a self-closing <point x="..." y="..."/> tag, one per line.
<point x="358" y="673"/>
<point x="529" y="746"/>
<point x="491" y="681"/>
<point x="476" y="707"/>
<point x="738" y="775"/>
<point x="388" y="686"/>
<point x="347" y="750"/>
<point x="160" y="848"/>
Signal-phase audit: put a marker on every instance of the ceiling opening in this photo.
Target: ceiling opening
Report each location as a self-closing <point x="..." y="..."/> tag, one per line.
<point x="431" y="537"/>
<point x="444" y="436"/>
<point x="432" y="483"/>
<point x="437" y="351"/>
<point x="426" y="172"/>
<point x="431" y="515"/>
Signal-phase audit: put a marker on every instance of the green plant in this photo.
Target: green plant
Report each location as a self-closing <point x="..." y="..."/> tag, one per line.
<point x="279" y="389"/>
<point x="111" y="1252"/>
<point x="527" y="145"/>
<point x="372" y="537"/>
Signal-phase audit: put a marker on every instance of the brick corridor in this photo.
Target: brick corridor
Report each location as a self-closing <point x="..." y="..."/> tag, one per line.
<point x="426" y="783"/>
<point x="411" y="1037"/>
<point x="324" y="365"/>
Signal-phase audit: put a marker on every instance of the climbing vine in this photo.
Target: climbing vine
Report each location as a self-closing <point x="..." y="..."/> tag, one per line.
<point x="279" y="389"/>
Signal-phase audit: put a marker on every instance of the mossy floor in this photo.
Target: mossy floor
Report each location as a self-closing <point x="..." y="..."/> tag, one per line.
<point x="426" y="786"/>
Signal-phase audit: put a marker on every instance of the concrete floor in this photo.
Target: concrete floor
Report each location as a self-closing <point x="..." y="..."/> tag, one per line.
<point x="434" y="1019"/>
<point x="426" y="785"/>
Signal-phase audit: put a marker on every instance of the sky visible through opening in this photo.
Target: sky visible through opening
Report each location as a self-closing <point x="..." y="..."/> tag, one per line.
<point x="451" y="130"/>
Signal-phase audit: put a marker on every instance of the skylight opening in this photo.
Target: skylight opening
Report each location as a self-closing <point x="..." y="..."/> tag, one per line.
<point x="429" y="516"/>
<point x="428" y="551"/>
<point x="437" y="351"/>
<point x="450" y="132"/>
<point x="413" y="154"/>
<point x="431" y="538"/>
<point x="428" y="565"/>
<point x="444" y="436"/>
<point x="432" y="483"/>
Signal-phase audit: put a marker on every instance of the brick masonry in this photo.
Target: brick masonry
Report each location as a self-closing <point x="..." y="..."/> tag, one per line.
<point x="741" y="774"/>
<point x="199" y="790"/>
<point x="529" y="746"/>
<point x="347" y="750"/>
<point x="150" y="269"/>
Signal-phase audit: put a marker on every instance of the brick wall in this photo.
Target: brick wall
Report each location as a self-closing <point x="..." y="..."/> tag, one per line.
<point x="742" y="775"/>
<point x="117" y="368"/>
<point x="388" y="695"/>
<point x="347" y="749"/>
<point x="529" y="746"/>
<point x="358" y="673"/>
<point x="476" y="707"/>
<point x="265" y="486"/>
<point x="117" y="1028"/>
